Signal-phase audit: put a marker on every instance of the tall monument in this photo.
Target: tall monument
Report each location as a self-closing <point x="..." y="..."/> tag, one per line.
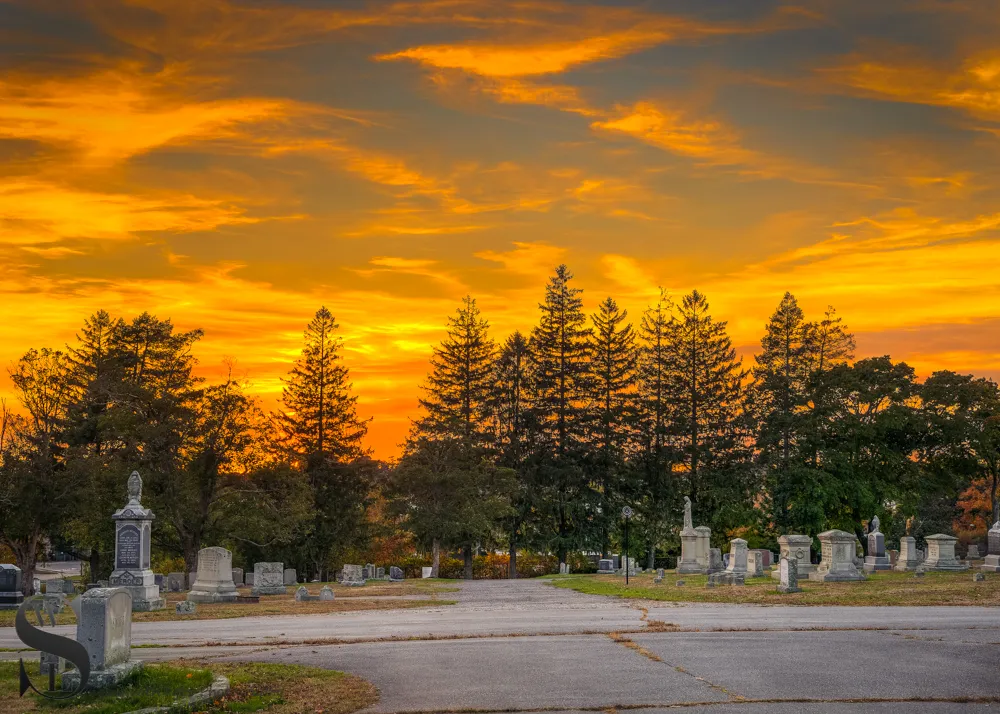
<point x="133" y="525"/>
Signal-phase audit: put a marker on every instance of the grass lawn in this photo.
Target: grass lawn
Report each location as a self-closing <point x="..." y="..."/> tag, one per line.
<point x="274" y="688"/>
<point x="885" y="588"/>
<point x="348" y="599"/>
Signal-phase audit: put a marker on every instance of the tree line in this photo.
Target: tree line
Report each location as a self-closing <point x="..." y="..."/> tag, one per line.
<point x="533" y="443"/>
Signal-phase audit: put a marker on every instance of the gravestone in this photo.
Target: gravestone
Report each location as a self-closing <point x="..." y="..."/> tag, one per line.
<point x="370" y="571"/>
<point x="606" y="565"/>
<point x="380" y="573"/>
<point x="354" y="575"/>
<point x="11" y="596"/>
<point x="36" y="586"/>
<point x="158" y="581"/>
<point x="326" y="593"/>
<point x="60" y="586"/>
<point x="268" y="579"/>
<point x="893" y="556"/>
<point x="973" y="552"/>
<point x="248" y="579"/>
<point x="788" y="575"/>
<point x="908" y="558"/>
<point x="302" y="595"/>
<point x="192" y="577"/>
<point x="755" y="564"/>
<point x="679" y="583"/>
<point x="876" y="558"/>
<point x="133" y="526"/>
<point x="104" y="628"/>
<point x="238" y="577"/>
<point x="725" y="560"/>
<point x="288" y="576"/>
<point x="941" y="554"/>
<point x="214" y="582"/>
<point x="175" y="582"/>
<point x="837" y="562"/>
<point x="726" y="577"/>
<point x="186" y="607"/>
<point x="617" y="559"/>
<point x="992" y="561"/>
<point x="396" y="574"/>
<point x="737" y="557"/>
<point x="798" y="548"/>
<point x="978" y="577"/>
<point x="426" y="571"/>
<point x="564" y="568"/>
<point x="714" y="560"/>
<point x="689" y="544"/>
<point x="764" y="557"/>
<point x="703" y="550"/>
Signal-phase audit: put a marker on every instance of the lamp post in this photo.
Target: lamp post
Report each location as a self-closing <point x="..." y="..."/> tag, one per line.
<point x="627" y="513"/>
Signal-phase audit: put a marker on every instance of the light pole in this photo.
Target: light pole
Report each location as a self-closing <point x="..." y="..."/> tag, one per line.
<point x="627" y="513"/>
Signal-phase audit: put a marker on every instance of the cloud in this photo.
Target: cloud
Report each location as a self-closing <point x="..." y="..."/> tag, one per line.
<point x="530" y="259"/>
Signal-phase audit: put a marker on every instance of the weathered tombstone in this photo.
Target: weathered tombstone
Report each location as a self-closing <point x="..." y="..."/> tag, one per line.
<point x="755" y="564"/>
<point x="60" y="586"/>
<point x="703" y="550"/>
<point x="908" y="558"/>
<point x="714" y="560"/>
<point x="248" y="579"/>
<point x="426" y="571"/>
<point x="978" y="577"/>
<point x="104" y="628"/>
<point x="238" y="577"/>
<point x="302" y="595"/>
<point x="185" y="607"/>
<point x="660" y="573"/>
<point x="175" y="582"/>
<point x="617" y="561"/>
<point x="370" y="570"/>
<point x="893" y="556"/>
<point x="395" y="574"/>
<point x="36" y="586"/>
<point x="214" y="582"/>
<point x="326" y="593"/>
<point x="679" y="583"/>
<point x="288" y="576"/>
<point x="837" y="562"/>
<point x="725" y="560"/>
<point x="689" y="562"/>
<point x="354" y="575"/>
<point x="564" y="568"/>
<point x="876" y="558"/>
<point x="727" y="577"/>
<point x="606" y="565"/>
<point x="11" y="596"/>
<point x="737" y="557"/>
<point x="158" y="580"/>
<point x="799" y="548"/>
<point x="764" y="557"/>
<point x="992" y="561"/>
<point x="941" y="553"/>
<point x="973" y="552"/>
<point x="133" y="526"/>
<point x="268" y="579"/>
<point x="788" y="577"/>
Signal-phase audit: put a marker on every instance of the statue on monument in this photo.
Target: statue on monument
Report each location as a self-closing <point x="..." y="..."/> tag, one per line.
<point x="135" y="488"/>
<point x="687" y="514"/>
<point x="874" y="526"/>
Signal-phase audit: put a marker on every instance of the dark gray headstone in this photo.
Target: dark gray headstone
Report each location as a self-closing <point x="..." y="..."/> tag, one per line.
<point x="129" y="548"/>
<point x="10" y="578"/>
<point x="396" y="573"/>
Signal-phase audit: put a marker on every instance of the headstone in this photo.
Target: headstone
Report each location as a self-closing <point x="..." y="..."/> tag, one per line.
<point x="302" y="595"/>
<point x="11" y="596"/>
<point x="606" y="565"/>
<point x="564" y="568"/>
<point x="192" y="577"/>
<point x="703" y="548"/>
<point x="268" y="579"/>
<point x="175" y="582"/>
<point x="679" y="583"/>
<point x="941" y="553"/>
<point x="185" y="607"/>
<point x="876" y="558"/>
<point x="764" y="557"/>
<point x="248" y="579"/>
<point x="158" y="580"/>
<point x="60" y="585"/>
<point x="238" y="577"/>
<point x="755" y="564"/>
<point x="326" y="593"/>
<point x="354" y="575"/>
<point x="714" y="560"/>
<point x="725" y="560"/>
<point x="380" y="573"/>
<point x="248" y="599"/>
<point x="978" y="577"/>
<point x="727" y="577"/>
<point x="133" y="528"/>
<point x="214" y="582"/>
<point x="104" y="628"/>
<point x="798" y="548"/>
<point x="893" y="556"/>
<point x="426" y="571"/>
<point x="737" y="557"/>
<point x="370" y="571"/>
<point x="288" y="576"/>
<point x="660" y="573"/>
<point x="837" y="562"/>
<point x="908" y="558"/>
<point x="992" y="561"/>
<point x="788" y="577"/>
<point x="689" y="562"/>
<point x="973" y="552"/>
<point x="396" y="574"/>
<point x="36" y="586"/>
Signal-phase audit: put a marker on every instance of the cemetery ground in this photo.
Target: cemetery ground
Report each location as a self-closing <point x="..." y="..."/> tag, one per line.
<point x="882" y="588"/>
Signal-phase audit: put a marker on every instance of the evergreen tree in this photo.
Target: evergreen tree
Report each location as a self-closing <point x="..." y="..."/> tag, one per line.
<point x="612" y="434"/>
<point x="561" y="386"/>
<point x="705" y="390"/>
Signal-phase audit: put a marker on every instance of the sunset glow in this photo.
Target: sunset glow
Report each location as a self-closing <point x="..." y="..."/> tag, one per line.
<point x="233" y="166"/>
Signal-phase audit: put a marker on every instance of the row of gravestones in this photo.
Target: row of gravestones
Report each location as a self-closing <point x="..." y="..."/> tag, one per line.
<point x="357" y="575"/>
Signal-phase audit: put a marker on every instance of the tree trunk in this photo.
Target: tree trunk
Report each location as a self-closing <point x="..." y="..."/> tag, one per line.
<point x="25" y="553"/>
<point x="512" y="566"/>
<point x="95" y="565"/>
<point x="562" y="555"/>
<point x="651" y="560"/>
<point x="467" y="555"/>
<point x="435" y="558"/>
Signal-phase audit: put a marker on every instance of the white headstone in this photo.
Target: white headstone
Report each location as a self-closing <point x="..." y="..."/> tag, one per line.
<point x="214" y="582"/>
<point x="737" y="556"/>
<point x="838" y="558"/>
<point x="941" y="553"/>
<point x="104" y="628"/>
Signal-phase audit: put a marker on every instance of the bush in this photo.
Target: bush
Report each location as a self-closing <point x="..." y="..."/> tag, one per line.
<point x="163" y="564"/>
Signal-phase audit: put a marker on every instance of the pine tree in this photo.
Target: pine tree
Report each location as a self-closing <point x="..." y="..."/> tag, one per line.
<point x="320" y="420"/>
<point x="705" y="390"/>
<point x="612" y="429"/>
<point x="560" y="390"/>
<point x="459" y="386"/>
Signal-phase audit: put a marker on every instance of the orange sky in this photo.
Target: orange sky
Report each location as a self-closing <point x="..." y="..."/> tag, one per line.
<point x="235" y="165"/>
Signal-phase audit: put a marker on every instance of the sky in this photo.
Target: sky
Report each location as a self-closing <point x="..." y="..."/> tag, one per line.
<point x="235" y="165"/>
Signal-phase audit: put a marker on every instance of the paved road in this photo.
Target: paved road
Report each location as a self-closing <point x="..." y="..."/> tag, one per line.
<point x="524" y="645"/>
